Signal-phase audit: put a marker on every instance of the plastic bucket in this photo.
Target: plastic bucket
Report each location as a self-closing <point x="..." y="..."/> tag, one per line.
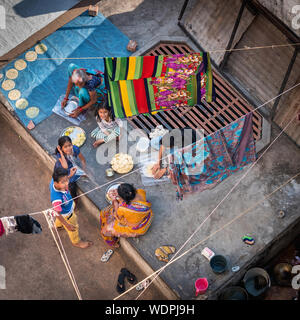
<point x="218" y="263"/>
<point x="201" y="285"/>
<point x="256" y="281"/>
<point x="234" y="293"/>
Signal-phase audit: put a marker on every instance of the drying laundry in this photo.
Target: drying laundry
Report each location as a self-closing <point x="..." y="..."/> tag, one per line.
<point x="152" y="83"/>
<point x="9" y="224"/>
<point x="26" y="224"/>
<point x="209" y="161"/>
<point x="2" y="231"/>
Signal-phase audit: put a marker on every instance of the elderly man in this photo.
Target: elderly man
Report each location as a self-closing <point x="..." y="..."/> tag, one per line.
<point x="88" y="86"/>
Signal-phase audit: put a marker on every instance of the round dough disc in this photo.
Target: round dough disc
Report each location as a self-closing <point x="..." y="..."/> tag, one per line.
<point x="1" y="75"/>
<point x="14" y="94"/>
<point x="40" y="48"/>
<point x="20" y="64"/>
<point x="8" y="85"/>
<point x="21" y="104"/>
<point x="12" y="74"/>
<point x="30" y="55"/>
<point x="32" y="112"/>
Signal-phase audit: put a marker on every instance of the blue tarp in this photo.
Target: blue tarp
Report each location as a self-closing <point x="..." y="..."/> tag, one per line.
<point x="43" y="81"/>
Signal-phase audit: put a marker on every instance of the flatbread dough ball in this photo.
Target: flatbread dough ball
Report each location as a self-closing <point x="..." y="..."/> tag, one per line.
<point x="20" y="64"/>
<point x="30" y="55"/>
<point x="11" y="74"/>
<point x="8" y="85"/>
<point x="21" y="104"/>
<point x="40" y="48"/>
<point x="32" y="112"/>
<point x="14" y="94"/>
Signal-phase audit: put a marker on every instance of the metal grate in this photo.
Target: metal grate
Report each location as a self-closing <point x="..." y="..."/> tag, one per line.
<point x="210" y="117"/>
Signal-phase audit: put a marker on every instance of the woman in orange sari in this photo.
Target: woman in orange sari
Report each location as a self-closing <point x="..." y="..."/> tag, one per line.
<point x="130" y="215"/>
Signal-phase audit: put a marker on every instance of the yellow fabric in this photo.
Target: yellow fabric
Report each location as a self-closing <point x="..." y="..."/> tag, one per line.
<point x="125" y="99"/>
<point x="131" y="68"/>
<point x="125" y="223"/>
<point x="73" y="235"/>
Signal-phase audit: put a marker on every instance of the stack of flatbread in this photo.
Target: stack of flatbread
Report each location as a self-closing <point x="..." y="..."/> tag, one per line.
<point x="122" y="163"/>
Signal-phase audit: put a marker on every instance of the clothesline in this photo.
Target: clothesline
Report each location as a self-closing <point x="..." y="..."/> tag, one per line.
<point x="210" y="235"/>
<point x="246" y="48"/>
<point x="134" y="171"/>
<point x="63" y="255"/>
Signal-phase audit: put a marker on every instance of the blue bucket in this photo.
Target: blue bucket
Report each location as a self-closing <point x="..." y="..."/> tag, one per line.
<point x="218" y="263"/>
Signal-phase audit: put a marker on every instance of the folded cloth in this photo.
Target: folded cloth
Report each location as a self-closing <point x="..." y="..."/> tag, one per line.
<point x="26" y="224"/>
<point x="2" y="230"/>
<point x="9" y="224"/>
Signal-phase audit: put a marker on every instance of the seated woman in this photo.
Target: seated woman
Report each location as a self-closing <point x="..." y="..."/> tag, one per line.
<point x="130" y="215"/>
<point x="166" y="144"/>
<point x="87" y="85"/>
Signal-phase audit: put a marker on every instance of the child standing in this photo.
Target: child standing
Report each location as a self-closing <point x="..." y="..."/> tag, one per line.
<point x="66" y="153"/>
<point x="108" y="127"/>
<point x="64" y="206"/>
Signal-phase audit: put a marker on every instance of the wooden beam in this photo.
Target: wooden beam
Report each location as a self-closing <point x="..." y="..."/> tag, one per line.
<point x="284" y="82"/>
<point x="233" y="33"/>
<point x="183" y="9"/>
<point x="275" y="20"/>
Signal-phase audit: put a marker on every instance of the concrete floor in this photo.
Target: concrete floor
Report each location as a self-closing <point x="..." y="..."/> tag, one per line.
<point x="34" y="268"/>
<point x="174" y="222"/>
<point x="29" y="17"/>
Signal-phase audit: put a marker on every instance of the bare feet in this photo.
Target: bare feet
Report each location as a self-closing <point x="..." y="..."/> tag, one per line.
<point x="83" y="244"/>
<point x="97" y="143"/>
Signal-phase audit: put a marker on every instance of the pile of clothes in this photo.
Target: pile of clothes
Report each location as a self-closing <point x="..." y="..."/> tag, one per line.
<point x="23" y="223"/>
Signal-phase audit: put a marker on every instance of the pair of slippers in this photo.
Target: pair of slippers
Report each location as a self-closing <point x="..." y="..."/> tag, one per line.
<point x="124" y="273"/>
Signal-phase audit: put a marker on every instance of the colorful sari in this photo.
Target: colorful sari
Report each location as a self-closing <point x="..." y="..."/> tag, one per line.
<point x="129" y="221"/>
<point x="148" y="84"/>
<point x="217" y="156"/>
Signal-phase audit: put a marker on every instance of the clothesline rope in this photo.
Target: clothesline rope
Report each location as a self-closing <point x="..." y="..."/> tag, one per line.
<point x="246" y="48"/>
<point x="212" y="234"/>
<point x="63" y="254"/>
<point x="136" y="170"/>
<point x="226" y="196"/>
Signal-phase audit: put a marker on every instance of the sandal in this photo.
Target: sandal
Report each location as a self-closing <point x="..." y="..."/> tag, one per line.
<point x="162" y="253"/>
<point x="130" y="277"/>
<point x="105" y="257"/>
<point x="143" y="285"/>
<point x="120" y="285"/>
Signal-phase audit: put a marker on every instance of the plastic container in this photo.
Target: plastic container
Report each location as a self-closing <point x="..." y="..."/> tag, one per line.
<point x="207" y="253"/>
<point x="256" y="281"/>
<point x="201" y="285"/>
<point x="143" y="144"/>
<point x="218" y="263"/>
<point x="234" y="293"/>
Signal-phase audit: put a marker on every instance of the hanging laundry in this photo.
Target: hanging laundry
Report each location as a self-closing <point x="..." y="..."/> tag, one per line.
<point x="216" y="157"/>
<point x="2" y="230"/>
<point x="9" y="224"/>
<point x="149" y="84"/>
<point x="26" y="224"/>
